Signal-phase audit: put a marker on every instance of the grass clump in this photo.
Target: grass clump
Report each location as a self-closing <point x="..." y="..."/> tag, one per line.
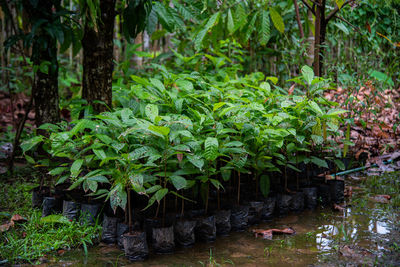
<point x="37" y="237"/>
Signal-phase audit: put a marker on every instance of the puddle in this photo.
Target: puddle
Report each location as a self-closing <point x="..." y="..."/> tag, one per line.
<point x="356" y="235"/>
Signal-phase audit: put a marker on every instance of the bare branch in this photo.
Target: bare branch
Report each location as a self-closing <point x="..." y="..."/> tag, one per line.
<point x="308" y="6"/>
<point x="345" y="21"/>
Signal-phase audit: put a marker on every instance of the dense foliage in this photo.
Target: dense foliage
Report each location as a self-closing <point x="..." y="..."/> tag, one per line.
<point x="184" y="100"/>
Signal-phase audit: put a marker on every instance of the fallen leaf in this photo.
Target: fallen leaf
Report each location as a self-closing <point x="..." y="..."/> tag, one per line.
<point x="338" y="207"/>
<point x="267" y="234"/>
<point x="385" y="199"/>
<point x="291" y="89"/>
<point x="14" y="218"/>
<point x="348" y="191"/>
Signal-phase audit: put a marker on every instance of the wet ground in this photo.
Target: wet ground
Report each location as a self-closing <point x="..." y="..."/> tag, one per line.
<point x="365" y="233"/>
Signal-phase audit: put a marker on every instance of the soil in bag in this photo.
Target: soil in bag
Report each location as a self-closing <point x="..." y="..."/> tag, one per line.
<point x="255" y="208"/>
<point x="109" y="234"/>
<point x="149" y="224"/>
<point x="268" y="209"/>
<point x="122" y="228"/>
<point x="336" y="191"/>
<point x="70" y="210"/>
<point x="135" y="246"/>
<point x="283" y="204"/>
<point x="324" y="195"/>
<point x="223" y="222"/>
<point x="206" y="229"/>
<point x="297" y="202"/>
<point x="38" y="193"/>
<point x="184" y="232"/>
<point x="310" y="197"/>
<point x="239" y="218"/>
<point x="89" y="213"/>
<point x="163" y="240"/>
<point x="49" y="206"/>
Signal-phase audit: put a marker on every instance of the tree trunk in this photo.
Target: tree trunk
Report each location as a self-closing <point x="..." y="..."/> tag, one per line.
<point x="320" y="32"/>
<point x="45" y="84"/>
<point x="98" y="46"/>
<point x="317" y="40"/>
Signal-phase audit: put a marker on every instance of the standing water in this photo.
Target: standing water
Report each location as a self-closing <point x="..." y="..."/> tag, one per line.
<point x="363" y="233"/>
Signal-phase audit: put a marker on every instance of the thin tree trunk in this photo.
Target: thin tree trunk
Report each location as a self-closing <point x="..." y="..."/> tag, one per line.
<point x="317" y="41"/>
<point x="98" y="58"/>
<point x="296" y="6"/>
<point x="311" y="41"/>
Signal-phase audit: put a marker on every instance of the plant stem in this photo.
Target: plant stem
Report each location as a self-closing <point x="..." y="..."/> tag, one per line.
<point x="129" y="211"/>
<point x="208" y="192"/>
<point x="218" y="200"/>
<point x="238" y="193"/>
<point x="285" y="178"/>
<point x="183" y="207"/>
<point x="257" y="186"/>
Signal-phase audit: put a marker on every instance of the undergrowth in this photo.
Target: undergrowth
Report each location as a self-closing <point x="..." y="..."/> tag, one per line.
<point x="37" y="237"/>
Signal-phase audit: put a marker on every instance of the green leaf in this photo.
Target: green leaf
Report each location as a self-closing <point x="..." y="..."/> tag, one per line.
<point x="308" y="74"/>
<point x="277" y="20"/>
<point x="100" y="153"/>
<point x="340" y="164"/>
<point x="319" y="162"/>
<point x="137" y="181"/>
<point x="265" y="28"/>
<point x="250" y="27"/>
<point x="99" y="179"/>
<point x="151" y="112"/>
<point x="198" y="39"/>
<point x="211" y="148"/>
<point x="264" y="185"/>
<point x="118" y="197"/>
<point x="125" y="114"/>
<point x="138" y="153"/>
<point x="30" y="143"/>
<point x="160" y="194"/>
<point x="380" y="76"/>
<point x="339" y="3"/>
<point x="231" y="23"/>
<point x="153" y="189"/>
<point x="196" y="161"/>
<point x="55" y="218"/>
<point x="29" y="159"/>
<point x="161" y="131"/>
<point x="104" y="138"/>
<point x="158" y="84"/>
<point x="342" y="27"/>
<point x="178" y="181"/>
<point x="314" y="106"/>
<point x="58" y="170"/>
<point x="62" y="179"/>
<point x="218" y="105"/>
<point x="76" y="167"/>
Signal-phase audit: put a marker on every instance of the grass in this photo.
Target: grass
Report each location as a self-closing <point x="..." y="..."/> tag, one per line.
<point x="37" y="237"/>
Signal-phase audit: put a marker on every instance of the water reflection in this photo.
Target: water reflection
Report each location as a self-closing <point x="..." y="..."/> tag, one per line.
<point x="319" y="234"/>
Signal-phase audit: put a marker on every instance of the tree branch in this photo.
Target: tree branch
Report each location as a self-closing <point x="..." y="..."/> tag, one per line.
<point x="296" y="6"/>
<point x="354" y="27"/>
<point x="336" y="10"/>
<point x="308" y="6"/>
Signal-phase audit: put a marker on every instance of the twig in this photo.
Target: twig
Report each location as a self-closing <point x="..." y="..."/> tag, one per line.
<point x="336" y="10"/>
<point x="346" y="21"/>
<point x="308" y="6"/>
